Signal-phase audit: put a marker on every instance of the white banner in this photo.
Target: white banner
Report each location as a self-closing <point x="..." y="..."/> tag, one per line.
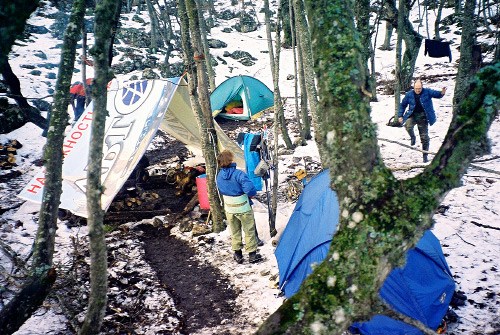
<point x="135" y="109"/>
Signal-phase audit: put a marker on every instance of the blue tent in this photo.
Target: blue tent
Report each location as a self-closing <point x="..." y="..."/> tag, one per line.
<point x="422" y="289"/>
<point x="241" y="98"/>
<point x="307" y="236"/>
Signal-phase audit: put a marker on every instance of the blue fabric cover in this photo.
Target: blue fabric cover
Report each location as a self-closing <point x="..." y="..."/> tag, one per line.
<point x="307" y="236"/>
<point x="252" y="158"/>
<point x="421" y="289"/>
<point x="257" y="96"/>
<point x="384" y="325"/>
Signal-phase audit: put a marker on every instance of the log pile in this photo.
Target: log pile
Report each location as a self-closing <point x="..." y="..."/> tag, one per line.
<point x="8" y="153"/>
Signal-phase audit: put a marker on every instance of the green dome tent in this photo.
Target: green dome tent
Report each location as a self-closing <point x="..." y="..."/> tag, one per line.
<point x="241" y="98"/>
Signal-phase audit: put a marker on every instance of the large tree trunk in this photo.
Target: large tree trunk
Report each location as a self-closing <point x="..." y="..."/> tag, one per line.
<point x="42" y="274"/>
<point x="105" y="12"/>
<point x="200" y="101"/>
<point x="381" y="217"/>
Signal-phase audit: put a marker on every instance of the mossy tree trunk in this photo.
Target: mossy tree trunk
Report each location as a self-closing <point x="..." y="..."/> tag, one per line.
<point x="105" y="12"/>
<point x="194" y="58"/>
<point x="381" y="217"/>
<point x="42" y="274"/>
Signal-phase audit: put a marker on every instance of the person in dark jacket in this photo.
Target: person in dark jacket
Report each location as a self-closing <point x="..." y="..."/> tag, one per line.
<point x="420" y="113"/>
<point x="236" y="189"/>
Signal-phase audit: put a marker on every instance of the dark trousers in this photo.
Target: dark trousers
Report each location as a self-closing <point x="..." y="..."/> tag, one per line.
<point x="80" y="106"/>
<point x="423" y="130"/>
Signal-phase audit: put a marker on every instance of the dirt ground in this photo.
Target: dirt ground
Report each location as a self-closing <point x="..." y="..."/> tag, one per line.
<point x="200" y="291"/>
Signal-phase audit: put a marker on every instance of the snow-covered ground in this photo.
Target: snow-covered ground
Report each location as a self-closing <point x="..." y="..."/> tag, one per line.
<point x="469" y="230"/>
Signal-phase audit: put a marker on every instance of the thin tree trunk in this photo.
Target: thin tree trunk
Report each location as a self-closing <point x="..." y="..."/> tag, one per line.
<point x="42" y="273"/>
<point x="388" y="35"/>
<point x="298" y="112"/>
<point x="307" y="57"/>
<point x="278" y="104"/>
<point x="154" y="33"/>
<point x="412" y="40"/>
<point x="206" y="49"/>
<point x="304" y="99"/>
<point x="105" y="13"/>
<point x="437" y="23"/>
<point x="397" y="72"/>
<point x="200" y="101"/>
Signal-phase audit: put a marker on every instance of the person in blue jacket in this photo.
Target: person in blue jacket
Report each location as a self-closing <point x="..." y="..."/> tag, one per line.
<point x="236" y="189"/>
<point x="420" y="113"/>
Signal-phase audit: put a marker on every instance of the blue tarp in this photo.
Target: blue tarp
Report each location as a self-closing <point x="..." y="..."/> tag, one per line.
<point x="307" y="236"/>
<point x="422" y="289"/>
<point x="254" y="95"/>
<point x="252" y="158"/>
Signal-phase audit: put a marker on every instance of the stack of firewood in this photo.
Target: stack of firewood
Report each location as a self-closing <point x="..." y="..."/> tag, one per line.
<point x="8" y="153"/>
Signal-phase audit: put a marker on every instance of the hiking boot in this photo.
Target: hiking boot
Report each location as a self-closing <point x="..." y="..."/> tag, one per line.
<point x="412" y="140"/>
<point x="254" y="257"/>
<point x="260" y="243"/>
<point x="238" y="256"/>
<point x="425" y="158"/>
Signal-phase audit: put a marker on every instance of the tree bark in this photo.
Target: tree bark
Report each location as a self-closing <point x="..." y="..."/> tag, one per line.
<point x="28" y="112"/>
<point x="42" y="274"/>
<point x="438" y="19"/>
<point x="297" y="70"/>
<point x="381" y="217"/>
<point x="194" y="57"/>
<point x="274" y="62"/>
<point x="307" y="58"/>
<point x="412" y="39"/>
<point x="105" y="12"/>
<point x="154" y="33"/>
<point x="398" y="72"/>
<point x="206" y="49"/>
<point x="466" y="68"/>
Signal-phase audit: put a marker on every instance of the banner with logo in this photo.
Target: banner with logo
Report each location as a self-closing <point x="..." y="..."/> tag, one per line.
<point x="136" y="109"/>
